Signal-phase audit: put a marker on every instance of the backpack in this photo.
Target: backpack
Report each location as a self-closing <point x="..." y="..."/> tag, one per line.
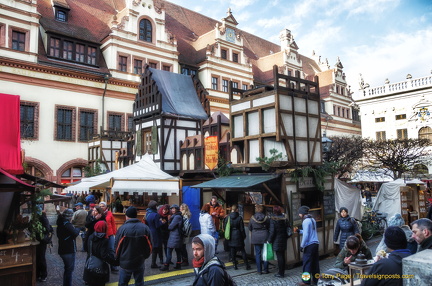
<point x="186" y="227"/>
<point x="355" y="222"/>
<point x="228" y="279"/>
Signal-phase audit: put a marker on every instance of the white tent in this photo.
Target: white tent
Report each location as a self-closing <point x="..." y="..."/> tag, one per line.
<point x="144" y="176"/>
<point x="349" y="197"/>
<point x="388" y="197"/>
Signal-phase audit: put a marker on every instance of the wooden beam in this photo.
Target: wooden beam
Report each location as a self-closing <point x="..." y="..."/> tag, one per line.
<point x="272" y="194"/>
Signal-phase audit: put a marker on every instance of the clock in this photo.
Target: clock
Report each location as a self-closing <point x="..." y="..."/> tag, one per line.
<point x="230" y="35"/>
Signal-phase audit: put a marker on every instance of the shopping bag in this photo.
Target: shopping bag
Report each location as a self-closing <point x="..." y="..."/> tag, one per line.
<point x="228" y="229"/>
<point x="268" y="254"/>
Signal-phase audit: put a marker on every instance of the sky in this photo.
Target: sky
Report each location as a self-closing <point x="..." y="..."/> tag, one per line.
<point x="379" y="39"/>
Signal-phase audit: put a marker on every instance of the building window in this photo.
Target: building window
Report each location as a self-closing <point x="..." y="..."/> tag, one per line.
<point x="342" y="91"/>
<point x="67" y="50"/>
<point x="153" y="65"/>
<point x="18" y="41"/>
<point x="34" y="171"/>
<point x="122" y="63"/>
<point x="343" y="112"/>
<point x="64" y="124"/>
<point x="224" y="54"/>
<point x="348" y="113"/>
<point x="55" y="47"/>
<point x="27" y="121"/>
<point x="87" y="123"/>
<point x="145" y="30"/>
<point x="137" y="66"/>
<point x="130" y="123"/>
<point x="235" y="85"/>
<point x="80" y="53"/>
<point x="245" y="86"/>
<point x="188" y="71"/>
<point x="146" y="141"/>
<point x="115" y="122"/>
<point x="381" y="136"/>
<point x="235" y="57"/>
<point x="425" y="133"/>
<point x="402" y="134"/>
<point x="61" y="15"/>
<point x="380" y="119"/>
<point x="322" y="104"/>
<point x="225" y="85"/>
<point x="355" y="115"/>
<point x="91" y="55"/>
<point x="166" y="68"/>
<point x="71" y="175"/>
<point x="215" y="83"/>
<point x="400" y="116"/>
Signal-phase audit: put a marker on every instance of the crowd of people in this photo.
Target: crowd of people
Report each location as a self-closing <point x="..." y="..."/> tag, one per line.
<point x="162" y="232"/>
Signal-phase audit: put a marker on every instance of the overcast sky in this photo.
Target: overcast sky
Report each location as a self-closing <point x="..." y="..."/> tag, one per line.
<point x="378" y="38"/>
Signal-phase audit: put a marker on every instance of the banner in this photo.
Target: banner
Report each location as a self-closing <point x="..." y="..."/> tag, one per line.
<point x="211" y="148"/>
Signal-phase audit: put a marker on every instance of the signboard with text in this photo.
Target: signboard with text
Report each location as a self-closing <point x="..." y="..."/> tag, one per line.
<point x="211" y="148"/>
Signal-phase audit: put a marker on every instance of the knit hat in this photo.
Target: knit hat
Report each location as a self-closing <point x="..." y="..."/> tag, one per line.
<point x="396" y="220"/>
<point x="175" y="206"/>
<point x="92" y="205"/>
<point x="395" y="238"/>
<point x="68" y="213"/>
<point x="303" y="210"/>
<point x="100" y="226"/>
<point x="131" y="212"/>
<point x="343" y="209"/>
<point x="152" y="205"/>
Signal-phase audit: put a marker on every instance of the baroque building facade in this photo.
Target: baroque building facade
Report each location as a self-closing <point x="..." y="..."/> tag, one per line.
<point x="77" y="64"/>
<point x="398" y="110"/>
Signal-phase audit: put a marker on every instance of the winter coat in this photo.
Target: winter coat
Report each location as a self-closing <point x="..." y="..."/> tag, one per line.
<point x="100" y="249"/>
<point x="346" y="226"/>
<point x="111" y="225"/>
<point x="259" y="225"/>
<point x="66" y="234"/>
<point x="346" y="253"/>
<point x="212" y="272"/>
<point x="206" y="223"/>
<point x="79" y="218"/>
<point x="388" y="266"/>
<point x="237" y="230"/>
<point x="220" y="214"/>
<point x="278" y="232"/>
<point x="90" y="223"/>
<point x="164" y="228"/>
<point x="129" y="243"/>
<point x="426" y="244"/>
<point x="175" y="239"/>
<point x="155" y="224"/>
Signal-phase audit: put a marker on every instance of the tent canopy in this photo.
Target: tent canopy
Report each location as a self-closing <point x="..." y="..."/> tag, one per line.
<point x="144" y="176"/>
<point x="349" y="197"/>
<point x="388" y="197"/>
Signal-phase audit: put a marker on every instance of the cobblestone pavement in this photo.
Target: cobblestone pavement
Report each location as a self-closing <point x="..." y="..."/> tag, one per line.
<point x="184" y="276"/>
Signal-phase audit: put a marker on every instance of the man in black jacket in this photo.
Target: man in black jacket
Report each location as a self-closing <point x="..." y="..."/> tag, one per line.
<point x="422" y="233"/>
<point x="133" y="246"/>
<point x="383" y="269"/>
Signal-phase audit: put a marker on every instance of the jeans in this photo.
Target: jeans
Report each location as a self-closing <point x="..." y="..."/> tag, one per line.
<point x="126" y="274"/>
<point x="69" y="265"/>
<point x="258" y="254"/>
<point x="111" y="241"/>
<point x="311" y="262"/>
<point x="169" y="255"/>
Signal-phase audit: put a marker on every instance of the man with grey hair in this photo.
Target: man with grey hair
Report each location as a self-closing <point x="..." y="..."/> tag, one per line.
<point x="422" y="233"/>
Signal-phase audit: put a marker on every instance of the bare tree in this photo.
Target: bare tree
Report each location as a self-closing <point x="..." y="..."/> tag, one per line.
<point x="345" y="154"/>
<point x="399" y="156"/>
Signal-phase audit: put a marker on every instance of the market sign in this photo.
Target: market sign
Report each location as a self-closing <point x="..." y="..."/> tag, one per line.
<point x="211" y="148"/>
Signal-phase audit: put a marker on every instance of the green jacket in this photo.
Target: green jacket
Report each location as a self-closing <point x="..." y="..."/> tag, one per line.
<point x="346" y="253"/>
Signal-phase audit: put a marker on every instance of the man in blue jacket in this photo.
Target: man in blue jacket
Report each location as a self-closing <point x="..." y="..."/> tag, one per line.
<point x="309" y="245"/>
<point x="133" y="246"/>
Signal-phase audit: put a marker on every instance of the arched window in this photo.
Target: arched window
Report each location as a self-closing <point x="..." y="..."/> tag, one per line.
<point x="34" y="171"/>
<point x="425" y="133"/>
<point x="71" y="175"/>
<point x="145" y="30"/>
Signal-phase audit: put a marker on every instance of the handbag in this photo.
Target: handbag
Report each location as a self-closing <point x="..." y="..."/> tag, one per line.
<point x="95" y="266"/>
<point x="228" y="229"/>
<point x="268" y="254"/>
<point x="289" y="231"/>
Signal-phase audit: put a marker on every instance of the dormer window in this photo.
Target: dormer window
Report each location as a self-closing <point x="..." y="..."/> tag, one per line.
<point x="61" y="16"/>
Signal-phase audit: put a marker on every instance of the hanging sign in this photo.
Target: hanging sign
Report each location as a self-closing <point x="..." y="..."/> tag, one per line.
<point x="211" y="148"/>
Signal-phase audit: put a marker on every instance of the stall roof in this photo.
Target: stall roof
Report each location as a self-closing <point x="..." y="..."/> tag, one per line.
<point x="12" y="186"/>
<point x="168" y="187"/>
<point x="237" y="181"/>
<point x="40" y="181"/>
<point x="145" y="169"/>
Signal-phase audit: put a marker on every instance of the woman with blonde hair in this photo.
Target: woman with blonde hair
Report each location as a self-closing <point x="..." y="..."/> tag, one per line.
<point x="184" y="209"/>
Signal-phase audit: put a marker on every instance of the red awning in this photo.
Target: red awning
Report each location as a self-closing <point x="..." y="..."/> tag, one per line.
<point x="11" y="187"/>
<point x="10" y="144"/>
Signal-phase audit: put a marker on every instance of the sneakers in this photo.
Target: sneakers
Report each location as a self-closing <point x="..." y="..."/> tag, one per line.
<point x="154" y="266"/>
<point x="165" y="267"/>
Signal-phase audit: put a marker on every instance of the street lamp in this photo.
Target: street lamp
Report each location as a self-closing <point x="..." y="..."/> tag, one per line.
<point x="326" y="144"/>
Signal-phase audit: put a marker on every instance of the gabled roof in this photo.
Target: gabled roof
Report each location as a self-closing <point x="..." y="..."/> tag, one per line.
<point x="179" y="96"/>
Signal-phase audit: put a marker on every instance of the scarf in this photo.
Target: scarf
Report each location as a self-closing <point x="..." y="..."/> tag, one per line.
<point x="198" y="263"/>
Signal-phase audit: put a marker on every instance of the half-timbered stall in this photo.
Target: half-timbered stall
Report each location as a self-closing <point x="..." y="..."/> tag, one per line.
<point x="283" y="122"/>
<point x="168" y="108"/>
